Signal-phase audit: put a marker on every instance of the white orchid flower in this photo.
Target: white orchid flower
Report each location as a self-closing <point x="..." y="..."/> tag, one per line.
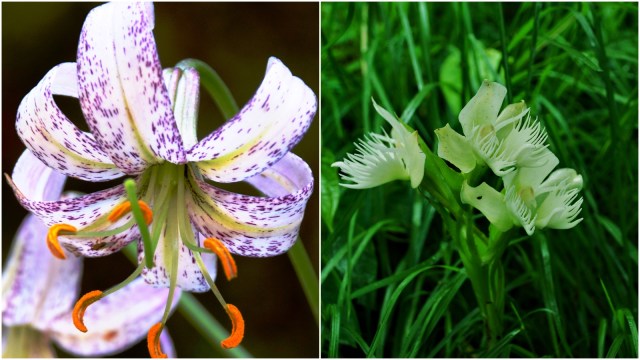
<point x="534" y="198"/>
<point x="39" y="291"/>
<point x="502" y="140"/>
<point x="383" y="158"/>
<point x="142" y="123"/>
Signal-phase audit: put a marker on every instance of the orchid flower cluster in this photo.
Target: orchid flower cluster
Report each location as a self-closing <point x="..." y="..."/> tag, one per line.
<point x="142" y="122"/>
<point x="509" y="142"/>
<point x="512" y="145"/>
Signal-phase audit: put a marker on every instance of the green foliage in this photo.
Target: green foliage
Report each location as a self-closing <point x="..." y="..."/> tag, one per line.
<point x="392" y="282"/>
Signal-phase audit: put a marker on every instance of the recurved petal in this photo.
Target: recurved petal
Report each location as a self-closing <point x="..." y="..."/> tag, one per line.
<point x="37" y="287"/>
<point x="190" y="277"/>
<point x="55" y="140"/>
<point x="115" y="322"/>
<point x="37" y="180"/>
<point x="284" y="177"/>
<point x="483" y="108"/>
<point x="269" y="125"/>
<point x="249" y="225"/>
<point x="81" y="212"/>
<point x="122" y="91"/>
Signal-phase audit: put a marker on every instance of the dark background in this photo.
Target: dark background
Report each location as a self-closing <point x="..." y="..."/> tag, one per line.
<point x="236" y="40"/>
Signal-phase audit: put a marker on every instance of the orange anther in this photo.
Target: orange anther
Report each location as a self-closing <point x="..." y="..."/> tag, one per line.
<point x="80" y="307"/>
<point x="52" y="239"/>
<point x="228" y="264"/>
<point x="237" y="331"/>
<point x="153" y="341"/>
<point x="124" y="208"/>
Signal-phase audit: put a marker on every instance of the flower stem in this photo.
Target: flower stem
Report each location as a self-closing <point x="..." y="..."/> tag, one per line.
<point x="306" y="275"/>
<point x="214" y="85"/>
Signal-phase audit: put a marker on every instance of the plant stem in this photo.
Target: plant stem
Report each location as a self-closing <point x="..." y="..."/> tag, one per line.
<point x="505" y="55"/>
<point x="306" y="275"/>
<point x="214" y="85"/>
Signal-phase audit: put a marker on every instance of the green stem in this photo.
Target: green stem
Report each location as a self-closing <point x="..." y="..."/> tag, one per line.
<point x="306" y="275"/>
<point x="214" y="85"/>
<point x="505" y="55"/>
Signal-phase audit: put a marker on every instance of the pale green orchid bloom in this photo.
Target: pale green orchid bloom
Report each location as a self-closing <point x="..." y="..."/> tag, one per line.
<point x="382" y="158"/>
<point x="534" y="198"/>
<point x="502" y="140"/>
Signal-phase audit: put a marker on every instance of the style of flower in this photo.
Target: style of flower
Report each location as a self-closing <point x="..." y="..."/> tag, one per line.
<point x="502" y="140"/>
<point x="39" y="290"/>
<point x="143" y="123"/>
<point x="382" y="158"/>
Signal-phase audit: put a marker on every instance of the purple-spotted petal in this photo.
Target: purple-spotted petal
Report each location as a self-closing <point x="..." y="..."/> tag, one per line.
<point x="37" y="180"/>
<point x="122" y="91"/>
<point x="284" y="177"/>
<point x="115" y="322"/>
<point x="190" y="277"/>
<point x="184" y="90"/>
<point x="80" y="212"/>
<point x="250" y="225"/>
<point x="268" y="126"/>
<point x="55" y="140"/>
<point x="37" y="287"/>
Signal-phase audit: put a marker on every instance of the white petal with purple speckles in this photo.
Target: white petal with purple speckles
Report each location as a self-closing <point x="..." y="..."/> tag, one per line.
<point x="37" y="287"/>
<point x="122" y="92"/>
<point x="268" y="126"/>
<point x="82" y="211"/>
<point x="184" y="90"/>
<point x="284" y="177"/>
<point x="37" y="180"/>
<point x="250" y="225"/>
<point x="190" y="277"/>
<point x="115" y="322"/>
<point x="49" y="134"/>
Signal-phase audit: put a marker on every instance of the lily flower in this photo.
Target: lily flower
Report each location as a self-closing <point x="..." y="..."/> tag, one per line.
<point x="383" y="158"/>
<point x="534" y="198"/>
<point x="39" y="291"/>
<point x="142" y="121"/>
<point x="502" y="140"/>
